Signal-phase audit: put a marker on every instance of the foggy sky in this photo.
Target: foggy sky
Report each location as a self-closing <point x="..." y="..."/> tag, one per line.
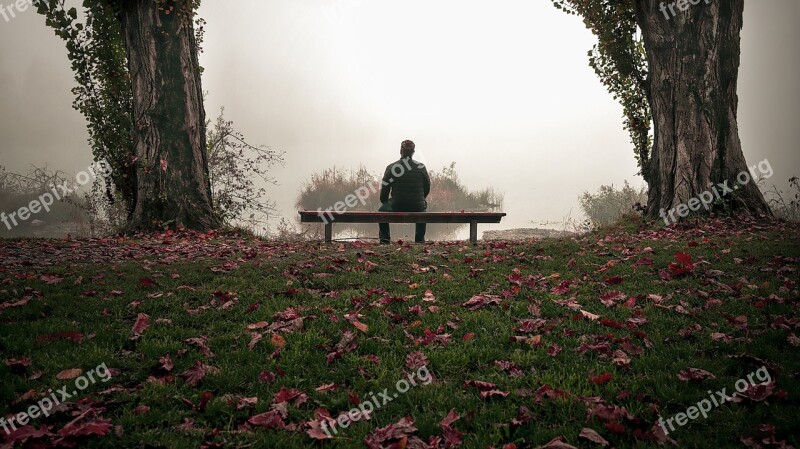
<point x="501" y="88"/>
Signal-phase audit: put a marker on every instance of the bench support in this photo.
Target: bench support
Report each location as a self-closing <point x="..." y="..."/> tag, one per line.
<point x="473" y="232"/>
<point x="328" y="232"/>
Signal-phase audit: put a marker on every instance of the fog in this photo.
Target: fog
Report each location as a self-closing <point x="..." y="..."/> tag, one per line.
<point x="504" y="91"/>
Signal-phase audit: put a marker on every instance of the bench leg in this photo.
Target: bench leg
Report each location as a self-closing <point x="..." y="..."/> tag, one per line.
<point x="328" y="232"/>
<point x="473" y="232"/>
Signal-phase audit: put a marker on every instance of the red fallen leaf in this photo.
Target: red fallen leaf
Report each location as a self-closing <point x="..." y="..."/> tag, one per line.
<point x="166" y="363"/>
<point x="269" y="420"/>
<point x="200" y="342"/>
<point x="257" y="326"/>
<point x="69" y="374"/>
<point x="684" y="259"/>
<point x="554" y="350"/>
<point x="51" y="279"/>
<point x="205" y="397"/>
<point x="695" y="374"/>
<point x="739" y="321"/>
<point x="614" y="280"/>
<point x="290" y="394"/>
<point x="609" y="299"/>
<point x="481" y="301"/>
<point x="590" y="315"/>
<point x="326" y="388"/>
<point x="601" y="379"/>
<point x="611" y="323"/>
<point x="557" y="443"/>
<point x="266" y="377"/>
<point x="492" y="393"/>
<point x="630" y="303"/>
<point x="141" y="324"/>
<point x="511" y="368"/>
<point x="759" y="392"/>
<point x="28" y="395"/>
<point x="416" y="360"/>
<point x="608" y="413"/>
<point x="24" y="433"/>
<point x="353" y="398"/>
<point x="448" y="420"/>
<point x="346" y="344"/>
<point x="147" y="282"/>
<point x="615" y="427"/>
<point x="562" y="288"/>
<point x="76" y="428"/>
<point x="621" y="359"/>
<point x="469" y="336"/>
<point x="593" y="436"/>
<point x="683" y="264"/>
<point x="197" y="373"/>
<point x="255" y="337"/>
<point x="278" y="341"/>
<point x="316" y="431"/>
<point x="68" y="335"/>
<point x="400" y="430"/>
<point x="479" y="384"/>
<point x="452" y="437"/>
<point x="18" y="365"/>
<point x="141" y="410"/>
<point x="360" y="326"/>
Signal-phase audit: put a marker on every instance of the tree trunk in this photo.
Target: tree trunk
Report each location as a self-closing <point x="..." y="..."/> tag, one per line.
<point x="170" y="139"/>
<point x="693" y="59"/>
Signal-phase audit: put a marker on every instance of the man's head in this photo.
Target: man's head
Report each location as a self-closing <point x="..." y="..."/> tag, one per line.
<point x="407" y="148"/>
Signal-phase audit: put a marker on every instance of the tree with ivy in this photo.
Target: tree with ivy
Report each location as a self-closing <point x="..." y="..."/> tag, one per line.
<point x="677" y="71"/>
<point x="139" y="87"/>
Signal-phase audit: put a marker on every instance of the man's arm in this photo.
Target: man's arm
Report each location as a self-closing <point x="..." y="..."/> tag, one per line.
<point x="386" y="186"/>
<point x="426" y="181"/>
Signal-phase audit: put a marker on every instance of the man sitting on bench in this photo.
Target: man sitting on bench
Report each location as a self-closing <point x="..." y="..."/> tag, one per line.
<point x="408" y="184"/>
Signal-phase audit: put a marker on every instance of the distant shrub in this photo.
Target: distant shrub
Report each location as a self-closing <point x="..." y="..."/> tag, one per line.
<point x="448" y="193"/>
<point x="785" y="208"/>
<point x="609" y="204"/>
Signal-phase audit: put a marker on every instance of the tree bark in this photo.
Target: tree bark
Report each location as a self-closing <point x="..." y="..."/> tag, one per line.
<point x="693" y="59"/>
<point x="169" y="117"/>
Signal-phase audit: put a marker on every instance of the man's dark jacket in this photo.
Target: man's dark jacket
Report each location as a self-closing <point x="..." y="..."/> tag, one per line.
<point x="408" y="183"/>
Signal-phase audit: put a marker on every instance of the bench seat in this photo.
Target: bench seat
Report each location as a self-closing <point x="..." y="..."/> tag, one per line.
<point x="473" y="218"/>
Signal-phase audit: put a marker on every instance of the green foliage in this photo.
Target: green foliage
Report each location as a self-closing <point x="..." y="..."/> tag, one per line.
<point x="234" y="166"/>
<point x="103" y="93"/>
<point x="619" y="60"/>
<point x="609" y="204"/>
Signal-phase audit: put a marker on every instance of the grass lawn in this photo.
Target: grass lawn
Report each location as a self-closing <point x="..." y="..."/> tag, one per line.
<point x="186" y="340"/>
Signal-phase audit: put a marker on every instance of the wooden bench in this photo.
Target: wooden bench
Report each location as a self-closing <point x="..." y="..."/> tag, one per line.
<point x="473" y="218"/>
